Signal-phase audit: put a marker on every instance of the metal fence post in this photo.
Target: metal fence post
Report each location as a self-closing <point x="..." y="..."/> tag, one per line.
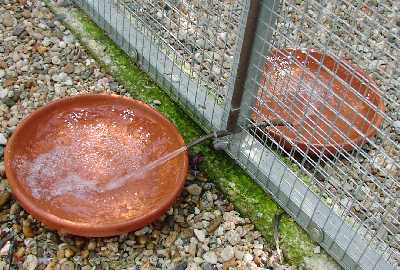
<point x="253" y="41"/>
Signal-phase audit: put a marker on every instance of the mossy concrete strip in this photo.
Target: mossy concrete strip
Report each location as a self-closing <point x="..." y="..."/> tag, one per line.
<point x="245" y="194"/>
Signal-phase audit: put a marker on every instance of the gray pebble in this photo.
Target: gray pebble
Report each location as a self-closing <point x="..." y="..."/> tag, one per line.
<point x="68" y="39"/>
<point x="396" y="126"/>
<point x="181" y="266"/>
<point x="18" y="30"/>
<point x="3" y="139"/>
<point x="200" y="234"/>
<point x="194" y="189"/>
<point x="227" y="253"/>
<point x="30" y="262"/>
<point x="232" y="237"/>
<point x="56" y="60"/>
<point x="361" y="193"/>
<point x="208" y="266"/>
<point x="210" y="257"/>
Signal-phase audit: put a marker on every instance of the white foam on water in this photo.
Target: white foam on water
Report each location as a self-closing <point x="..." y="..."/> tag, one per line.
<point x="87" y="137"/>
<point x="45" y="177"/>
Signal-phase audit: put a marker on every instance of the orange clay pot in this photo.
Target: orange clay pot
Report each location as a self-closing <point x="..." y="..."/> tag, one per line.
<point x="324" y="119"/>
<point x="65" y="161"/>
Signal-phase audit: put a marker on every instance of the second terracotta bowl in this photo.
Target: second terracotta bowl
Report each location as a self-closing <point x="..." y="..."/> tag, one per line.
<point x="67" y="164"/>
<point x="330" y="104"/>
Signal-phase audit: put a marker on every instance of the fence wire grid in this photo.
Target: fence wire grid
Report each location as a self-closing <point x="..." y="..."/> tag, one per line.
<point x="322" y="79"/>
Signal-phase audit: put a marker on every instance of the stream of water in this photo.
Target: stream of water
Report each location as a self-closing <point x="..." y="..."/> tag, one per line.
<point x="136" y="174"/>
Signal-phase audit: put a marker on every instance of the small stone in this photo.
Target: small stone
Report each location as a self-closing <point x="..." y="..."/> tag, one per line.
<point x="229" y="264"/>
<point x="216" y="71"/>
<point x="5" y="249"/>
<point x="200" y="234"/>
<point x="347" y="187"/>
<point x="36" y="35"/>
<point x="26" y="14"/>
<point x="181" y="266"/>
<point x="9" y="102"/>
<point x="227" y="253"/>
<point x="68" y="39"/>
<point x="317" y="250"/>
<point x="56" y="60"/>
<point x="141" y="240"/>
<point x="30" y="262"/>
<point x="396" y="126"/>
<point x="3" y="139"/>
<point x="9" y="20"/>
<point x="4" y="197"/>
<point x="156" y="102"/>
<point x="208" y="266"/>
<point x="68" y="253"/>
<point x="222" y="36"/>
<point x="210" y="257"/>
<point x="41" y="49"/>
<point x="361" y="193"/>
<point x="239" y="254"/>
<point x="69" y="68"/>
<point x="2" y="74"/>
<point x="62" y="78"/>
<point x="142" y="231"/>
<point x="91" y="245"/>
<point x="194" y="189"/>
<point x="247" y="258"/>
<point x="62" y="45"/>
<point x="232" y="237"/>
<point x="214" y="224"/>
<point x="18" y="30"/>
<point x="27" y="229"/>
<point x="67" y="265"/>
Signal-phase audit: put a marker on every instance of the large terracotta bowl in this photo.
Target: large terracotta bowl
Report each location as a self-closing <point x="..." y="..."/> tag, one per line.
<point x="75" y="165"/>
<point x="330" y="104"/>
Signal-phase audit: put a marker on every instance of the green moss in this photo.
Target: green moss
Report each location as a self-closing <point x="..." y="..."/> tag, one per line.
<point x="246" y="195"/>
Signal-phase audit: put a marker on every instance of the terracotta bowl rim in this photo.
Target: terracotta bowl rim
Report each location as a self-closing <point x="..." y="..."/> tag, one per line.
<point x="373" y="86"/>
<point x="81" y="228"/>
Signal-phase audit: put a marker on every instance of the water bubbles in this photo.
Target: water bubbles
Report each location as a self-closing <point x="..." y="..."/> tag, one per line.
<point x="127" y="115"/>
<point x="90" y="148"/>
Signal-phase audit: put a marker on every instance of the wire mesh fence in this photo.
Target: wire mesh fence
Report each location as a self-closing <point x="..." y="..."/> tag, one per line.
<point x="328" y="72"/>
<point x="322" y="78"/>
<point x="190" y="55"/>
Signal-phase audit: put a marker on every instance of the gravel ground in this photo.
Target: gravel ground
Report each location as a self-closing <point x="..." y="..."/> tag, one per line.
<point x="367" y="33"/>
<point x="41" y="61"/>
